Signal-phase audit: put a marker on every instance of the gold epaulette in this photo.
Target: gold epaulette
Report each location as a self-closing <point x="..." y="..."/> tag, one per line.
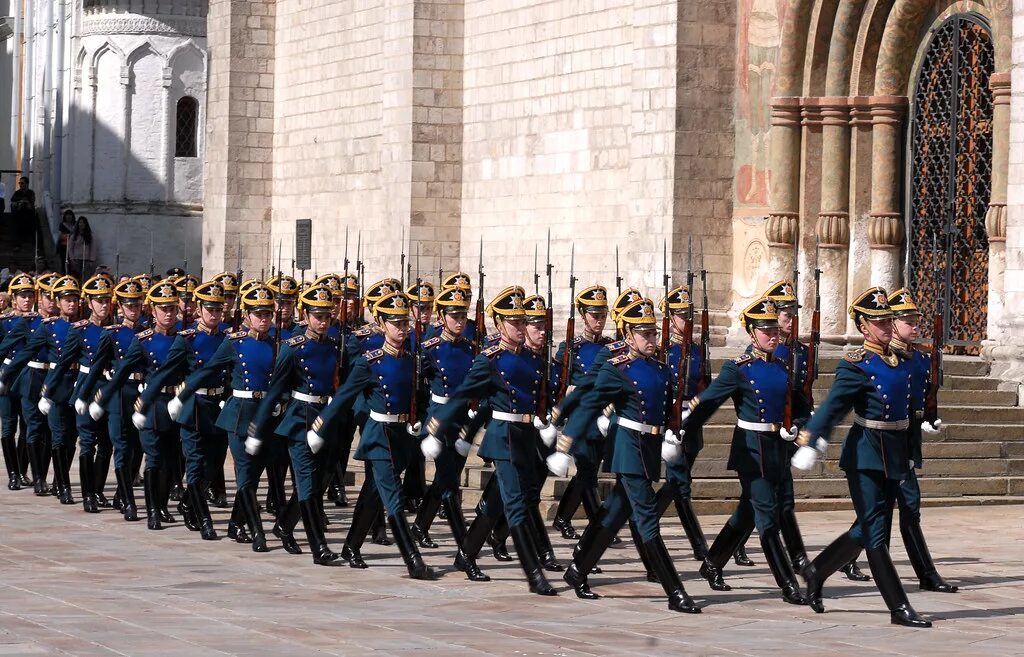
<point x="742" y="360"/>
<point x="237" y="335"/>
<point x="855" y="356"/>
<point x="187" y="333"/>
<point x="617" y="346"/>
<point x="432" y="342"/>
<point x="490" y="352"/>
<point x="295" y="340"/>
<point x="619" y="360"/>
<point x="82" y="323"/>
<point x="373" y="355"/>
<point x="143" y="335"/>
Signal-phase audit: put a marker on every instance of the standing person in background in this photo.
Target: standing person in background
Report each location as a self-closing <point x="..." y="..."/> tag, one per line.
<point x="23" y="207"/>
<point x="81" y="249"/>
<point x="64" y="231"/>
<point x="3" y="197"/>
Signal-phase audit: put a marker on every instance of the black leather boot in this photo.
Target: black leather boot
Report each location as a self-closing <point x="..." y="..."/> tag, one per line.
<point x="497" y="540"/>
<point x="794" y="541"/>
<point x="197" y="492"/>
<point x="237" y="522"/>
<point x="124" y="482"/>
<point x="739" y="555"/>
<point x="425" y="517"/>
<point x="362" y="520"/>
<point x="782" y="570"/>
<point x="275" y="499"/>
<point x="724" y="546"/>
<point x="835" y="555"/>
<point x="251" y="513"/>
<point x="151" y="486"/>
<point x="87" y="478"/>
<point x="453" y="512"/>
<point x="40" y="464"/>
<point x="546" y="553"/>
<point x="165" y="495"/>
<point x="592" y="507"/>
<point x="186" y="507"/>
<point x="595" y="540"/>
<point x="921" y="558"/>
<point x="322" y="554"/>
<point x="888" y="582"/>
<point x="284" y="527"/>
<point x="61" y="468"/>
<point x="853" y="571"/>
<point x="691" y="525"/>
<point x="407" y="547"/>
<point x="567" y="505"/>
<point x="652" y="575"/>
<point x="10" y="452"/>
<point x="522" y="537"/>
<point x="336" y="487"/>
<point x="380" y="529"/>
<point x="102" y="469"/>
<point x="662" y="564"/>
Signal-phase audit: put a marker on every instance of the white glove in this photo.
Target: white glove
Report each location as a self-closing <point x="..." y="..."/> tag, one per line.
<point x="413" y="429"/>
<point x="471" y="413"/>
<point x="547" y="432"/>
<point x="81" y="407"/>
<point x="96" y="411"/>
<point x="278" y="409"/>
<point x="603" y="424"/>
<point x="558" y="464"/>
<point x="804" y="458"/>
<point x="314" y="441"/>
<point x="463" y="447"/>
<point x="174" y="408"/>
<point x="3" y="388"/>
<point x="44" y="405"/>
<point x="685" y="413"/>
<point x="142" y="386"/>
<point x="252" y="445"/>
<point x="928" y="427"/>
<point x="139" y="420"/>
<point x="431" y="447"/>
<point x="671" y="447"/>
<point x="672" y="439"/>
<point x="911" y="464"/>
<point x="221" y="404"/>
<point x="789" y="435"/>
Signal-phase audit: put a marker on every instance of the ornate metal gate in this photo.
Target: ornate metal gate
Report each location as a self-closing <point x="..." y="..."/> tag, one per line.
<point x="950" y="176"/>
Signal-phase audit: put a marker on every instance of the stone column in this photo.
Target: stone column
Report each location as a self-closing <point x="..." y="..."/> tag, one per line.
<point x="784" y="219"/>
<point x="995" y="219"/>
<point x="885" y="227"/>
<point x="833" y="225"/>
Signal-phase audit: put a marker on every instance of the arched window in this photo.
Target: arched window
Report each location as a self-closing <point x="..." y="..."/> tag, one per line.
<point x="186" y="135"/>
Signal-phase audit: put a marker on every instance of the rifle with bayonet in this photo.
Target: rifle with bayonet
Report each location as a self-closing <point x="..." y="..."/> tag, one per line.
<point x="705" y="328"/>
<point x="543" y="398"/>
<point x="665" y="322"/>
<point x="814" y="344"/>
<point x="570" y="330"/>
<point x="686" y="355"/>
<point x="417" y="355"/>
<point x="792" y="363"/>
<point x="236" y="312"/>
<point x="359" y="276"/>
<point x="481" y="329"/>
<point x="931" y="396"/>
<point x="279" y="303"/>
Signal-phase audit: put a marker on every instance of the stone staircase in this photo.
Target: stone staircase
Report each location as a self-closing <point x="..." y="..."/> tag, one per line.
<point x="978" y="458"/>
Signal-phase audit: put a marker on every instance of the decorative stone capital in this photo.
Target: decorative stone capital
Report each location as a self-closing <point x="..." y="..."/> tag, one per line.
<point x="833" y="230"/>
<point x="999" y="83"/>
<point x="810" y="115"/>
<point x="885" y="230"/>
<point x="878" y="110"/>
<point x="995" y="222"/>
<point x="781" y="228"/>
<point x="786" y="112"/>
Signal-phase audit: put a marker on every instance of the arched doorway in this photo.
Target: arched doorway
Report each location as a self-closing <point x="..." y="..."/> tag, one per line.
<point x="950" y="174"/>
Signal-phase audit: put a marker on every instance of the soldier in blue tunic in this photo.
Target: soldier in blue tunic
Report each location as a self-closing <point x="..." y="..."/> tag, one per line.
<point x="758" y="384"/>
<point x="421" y="308"/>
<point x="506" y="379"/>
<point x="460" y="281"/>
<point x="202" y="441"/>
<point x="639" y="387"/>
<point x="22" y="290"/>
<point x="87" y="343"/>
<point x="384" y="380"/>
<point x="158" y="433"/>
<point x="45" y="346"/>
<point x="306" y="367"/>
<point x="878" y="386"/>
<point x="589" y="449"/>
<point x="249" y="357"/>
<point x="906" y="330"/>
<point x="349" y="318"/>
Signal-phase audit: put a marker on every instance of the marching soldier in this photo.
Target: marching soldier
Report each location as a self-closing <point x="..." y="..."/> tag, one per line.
<point x="22" y="290"/>
<point x="506" y="379"/>
<point x="421" y="308"/>
<point x="249" y="356"/>
<point x="87" y="343"/>
<point x="202" y="441"/>
<point x="640" y="388"/>
<point x="159" y="435"/>
<point x="878" y="386"/>
<point x="350" y="319"/>
<point x="385" y="379"/>
<point x="461" y="282"/>
<point x="906" y="330"/>
<point x="588" y="451"/>
<point x="286" y="292"/>
<point x="306" y="367"/>
<point x="758" y="384"/>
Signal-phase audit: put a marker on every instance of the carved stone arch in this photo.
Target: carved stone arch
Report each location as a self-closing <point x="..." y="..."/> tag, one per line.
<point x="869" y="38"/>
<point x="143" y="50"/>
<point x="819" y="41"/>
<point x="844" y="45"/>
<point x="789" y="80"/>
<point x="105" y="47"/>
<point x="79" y="71"/>
<point x="184" y="47"/>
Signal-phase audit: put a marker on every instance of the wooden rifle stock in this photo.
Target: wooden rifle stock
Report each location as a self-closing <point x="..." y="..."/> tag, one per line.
<point x="481" y="330"/>
<point x="681" y="377"/>
<point x="545" y="374"/>
<point x="791" y="373"/>
<point x="812" y="356"/>
<point x="705" y="349"/>
<point x="566" y="365"/>
<point x="931" y="397"/>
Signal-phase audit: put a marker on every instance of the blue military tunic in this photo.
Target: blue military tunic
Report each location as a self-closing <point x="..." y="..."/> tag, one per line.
<point x="191" y="349"/>
<point x="86" y="346"/>
<point x="693" y="441"/>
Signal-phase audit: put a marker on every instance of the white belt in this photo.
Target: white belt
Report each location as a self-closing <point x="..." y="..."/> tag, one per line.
<point x="38" y="365"/>
<point x="638" y="426"/>
<point x="439" y="399"/>
<point x="210" y="392"/>
<point x="881" y="425"/>
<point x="311" y="399"/>
<point x="768" y="427"/>
<point x="84" y="369"/>
<point x="7" y="361"/>
<point x="387" y="417"/>
<point x="512" y="417"/>
<point x="248" y="394"/>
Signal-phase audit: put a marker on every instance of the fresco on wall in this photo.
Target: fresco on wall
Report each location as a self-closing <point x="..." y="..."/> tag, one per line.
<point x="758" y="38"/>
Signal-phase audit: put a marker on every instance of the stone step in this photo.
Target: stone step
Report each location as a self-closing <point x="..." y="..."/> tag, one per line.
<point x="726" y="414"/>
<point x="1008" y="433"/>
<point x="949" y="398"/>
<point x="951" y="365"/>
<point x="949" y="382"/>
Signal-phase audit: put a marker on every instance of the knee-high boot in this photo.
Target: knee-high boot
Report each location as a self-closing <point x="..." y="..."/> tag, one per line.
<point x="740" y="554"/>
<point x="407" y="547"/>
<point x="667" y="574"/>
<point x="545" y="553"/>
<point x="284" y="527"/>
<point x="251" y="512"/>
<point x="102" y="469"/>
<point x="151" y="486"/>
<point x="37" y="453"/>
<point x="652" y="575"/>
<point x="87" y="479"/>
<point x="595" y="540"/>
<point x="691" y="525"/>
<point x="794" y="541"/>
<point x="61" y="470"/>
<point x="782" y="570"/>
<point x="567" y="505"/>
<point x="10" y="452"/>
<point x="497" y="540"/>
<point x="718" y="555"/>
<point x="522" y="537"/>
<point x="592" y="507"/>
<point x="453" y="511"/>
<point x="322" y="554"/>
<point x="238" y="521"/>
<point x="125" y="476"/>
<point x="201" y="509"/>
<point x="888" y="581"/>
<point x="921" y="558"/>
<point x="425" y="517"/>
<point x="165" y="495"/>
<point x="835" y="555"/>
<point x="363" y="516"/>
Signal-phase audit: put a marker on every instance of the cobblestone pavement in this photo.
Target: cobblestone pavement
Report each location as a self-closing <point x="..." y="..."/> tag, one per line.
<point x="78" y="584"/>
